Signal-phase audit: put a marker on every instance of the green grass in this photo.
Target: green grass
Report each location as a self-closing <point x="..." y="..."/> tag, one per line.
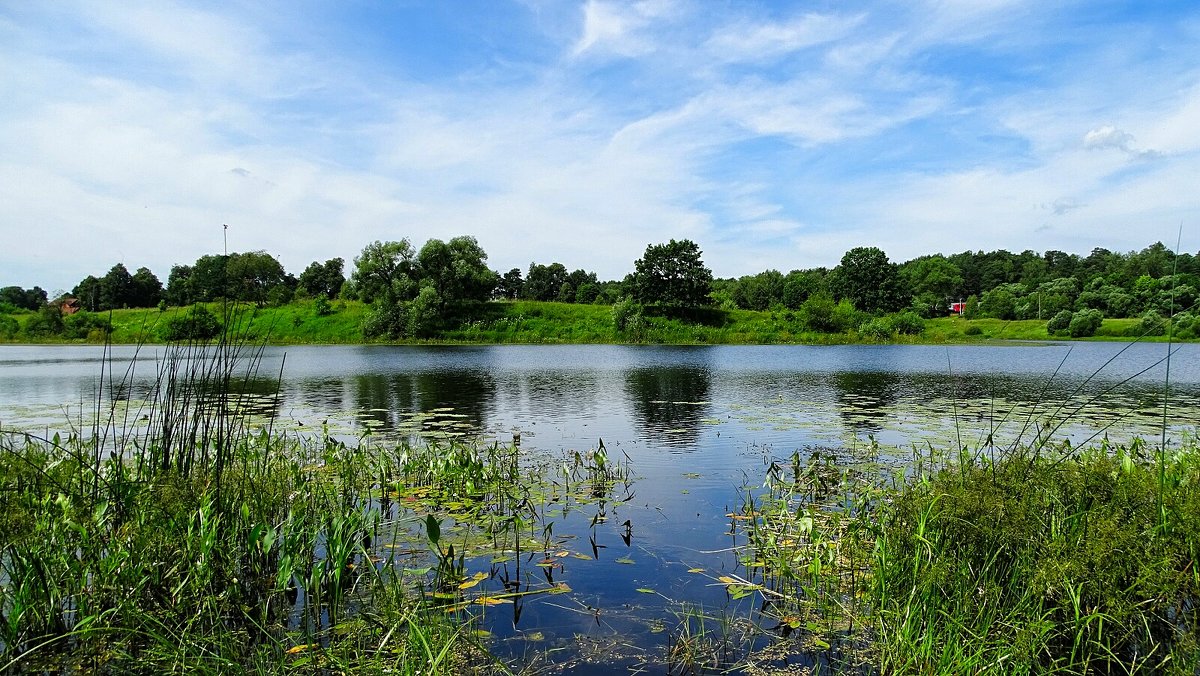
<point x="533" y="322"/>
<point x="1040" y="561"/>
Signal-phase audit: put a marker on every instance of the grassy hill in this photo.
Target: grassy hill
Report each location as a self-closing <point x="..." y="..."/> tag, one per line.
<point x="546" y="322"/>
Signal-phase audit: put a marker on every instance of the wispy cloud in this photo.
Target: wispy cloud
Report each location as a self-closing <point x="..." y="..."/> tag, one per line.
<point x="582" y="133"/>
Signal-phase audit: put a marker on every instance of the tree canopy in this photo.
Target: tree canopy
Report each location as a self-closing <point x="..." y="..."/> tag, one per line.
<point x="672" y="275"/>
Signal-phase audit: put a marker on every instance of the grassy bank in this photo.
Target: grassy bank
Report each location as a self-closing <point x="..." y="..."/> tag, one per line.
<point x="533" y="322"/>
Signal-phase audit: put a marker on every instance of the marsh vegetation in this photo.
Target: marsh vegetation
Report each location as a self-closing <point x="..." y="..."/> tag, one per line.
<point x="190" y="523"/>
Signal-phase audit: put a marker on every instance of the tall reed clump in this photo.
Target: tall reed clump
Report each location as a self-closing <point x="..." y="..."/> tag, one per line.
<point x="176" y="538"/>
<point x="1080" y="562"/>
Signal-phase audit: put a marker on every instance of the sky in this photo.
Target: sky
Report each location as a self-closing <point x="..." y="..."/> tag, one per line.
<point x="773" y="134"/>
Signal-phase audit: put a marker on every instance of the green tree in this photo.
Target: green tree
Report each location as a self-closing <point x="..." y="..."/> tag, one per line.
<point x="543" y="282"/>
<point x="511" y="284"/>
<point x="384" y="270"/>
<point x="869" y="280"/>
<point x="457" y="270"/>
<point x="672" y="275"/>
<point x="933" y="281"/>
<point x="322" y="278"/>
<point x="116" y="288"/>
<point x="145" y="289"/>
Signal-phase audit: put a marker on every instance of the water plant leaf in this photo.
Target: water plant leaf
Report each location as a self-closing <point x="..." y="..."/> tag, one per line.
<point x="695" y="570"/>
<point x="645" y="590"/>
<point x="490" y="601"/>
<point x="300" y="648"/>
<point x="625" y="560"/>
<point x="475" y="579"/>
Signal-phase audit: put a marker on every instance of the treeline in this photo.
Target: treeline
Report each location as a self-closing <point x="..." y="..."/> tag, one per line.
<point x="417" y="292"/>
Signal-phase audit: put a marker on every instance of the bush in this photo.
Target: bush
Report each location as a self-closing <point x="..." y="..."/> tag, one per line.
<point x="973" y="330"/>
<point x="8" y="327"/>
<point x="908" y="323"/>
<point x="1153" y="324"/>
<point x="197" y="323"/>
<point x="627" y="312"/>
<point x="877" y="328"/>
<point x="1085" y="323"/>
<point x="86" y="325"/>
<point x="321" y="306"/>
<point x="1059" y="323"/>
<point x="47" y="322"/>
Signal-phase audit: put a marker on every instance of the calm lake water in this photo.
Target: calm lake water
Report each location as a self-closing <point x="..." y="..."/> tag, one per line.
<point x="697" y="424"/>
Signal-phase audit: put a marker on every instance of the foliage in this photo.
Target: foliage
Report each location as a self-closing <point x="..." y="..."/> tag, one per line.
<point x="9" y="327"/>
<point x="195" y="323"/>
<point x="18" y="297"/>
<point x="671" y="275"/>
<point x="971" y="307"/>
<point x="1060" y="322"/>
<point x="1078" y="564"/>
<point x="1153" y="324"/>
<point x="86" y="325"/>
<point x="543" y="282"/>
<point x="869" y="281"/>
<point x="47" y="322"/>
<point x="1085" y="323"/>
<point x="384" y="270"/>
<point x="908" y="323"/>
<point x="322" y="279"/>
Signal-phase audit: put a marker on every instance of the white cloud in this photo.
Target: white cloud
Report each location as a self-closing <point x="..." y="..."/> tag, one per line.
<point x="754" y="41"/>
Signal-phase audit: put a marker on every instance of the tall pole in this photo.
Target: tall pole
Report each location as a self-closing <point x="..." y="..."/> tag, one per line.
<point x="225" y="232"/>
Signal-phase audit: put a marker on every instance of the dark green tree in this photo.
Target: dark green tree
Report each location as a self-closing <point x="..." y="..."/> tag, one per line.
<point x="868" y="280"/>
<point x="543" y="282"/>
<point x="511" y="284"/>
<point x="145" y="289"/>
<point x="322" y="278"/>
<point x="672" y="275"/>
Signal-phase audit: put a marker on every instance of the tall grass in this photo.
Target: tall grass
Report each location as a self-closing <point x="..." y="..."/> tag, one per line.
<point x="172" y="537"/>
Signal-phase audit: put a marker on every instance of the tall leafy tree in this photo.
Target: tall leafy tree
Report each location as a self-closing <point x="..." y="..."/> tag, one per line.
<point x="869" y="280"/>
<point x="322" y="278"/>
<point x="544" y="281"/>
<point x="672" y="275"/>
<point x="384" y="270"/>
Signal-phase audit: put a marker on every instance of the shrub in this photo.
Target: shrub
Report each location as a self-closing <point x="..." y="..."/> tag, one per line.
<point x="877" y="328"/>
<point x="86" y="325"/>
<point x="197" y="323"/>
<point x="625" y="312"/>
<point x="908" y="323"/>
<point x="1084" y="323"/>
<point x="1059" y="323"/>
<point x="8" y="327"/>
<point x="321" y="306"/>
<point x="972" y="330"/>
<point x="1153" y="324"/>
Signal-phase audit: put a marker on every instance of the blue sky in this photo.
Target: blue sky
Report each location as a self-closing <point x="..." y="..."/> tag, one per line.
<point x="776" y="135"/>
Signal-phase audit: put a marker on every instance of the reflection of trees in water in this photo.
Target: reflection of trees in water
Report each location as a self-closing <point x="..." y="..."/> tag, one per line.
<point x="864" y="398"/>
<point x="390" y="398"/>
<point x="669" y="402"/>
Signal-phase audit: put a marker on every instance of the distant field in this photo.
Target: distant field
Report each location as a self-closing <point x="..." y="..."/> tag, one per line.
<point x="546" y="322"/>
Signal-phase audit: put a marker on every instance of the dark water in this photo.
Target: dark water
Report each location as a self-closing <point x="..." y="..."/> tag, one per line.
<point x="696" y="424"/>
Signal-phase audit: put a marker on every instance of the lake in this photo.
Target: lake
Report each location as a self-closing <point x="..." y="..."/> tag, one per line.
<point x="696" y="425"/>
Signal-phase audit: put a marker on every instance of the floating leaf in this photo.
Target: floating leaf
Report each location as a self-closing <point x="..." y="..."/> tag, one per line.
<point x="490" y="601"/>
<point x="644" y="590"/>
<point x="695" y="570"/>
<point x="625" y="560"/>
<point x="584" y="557"/>
<point x="560" y="588"/>
<point x="476" y="579"/>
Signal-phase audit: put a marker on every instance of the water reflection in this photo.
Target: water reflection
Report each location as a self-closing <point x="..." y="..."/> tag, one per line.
<point x="387" y="402"/>
<point x="865" y="397"/>
<point x="669" y="402"/>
